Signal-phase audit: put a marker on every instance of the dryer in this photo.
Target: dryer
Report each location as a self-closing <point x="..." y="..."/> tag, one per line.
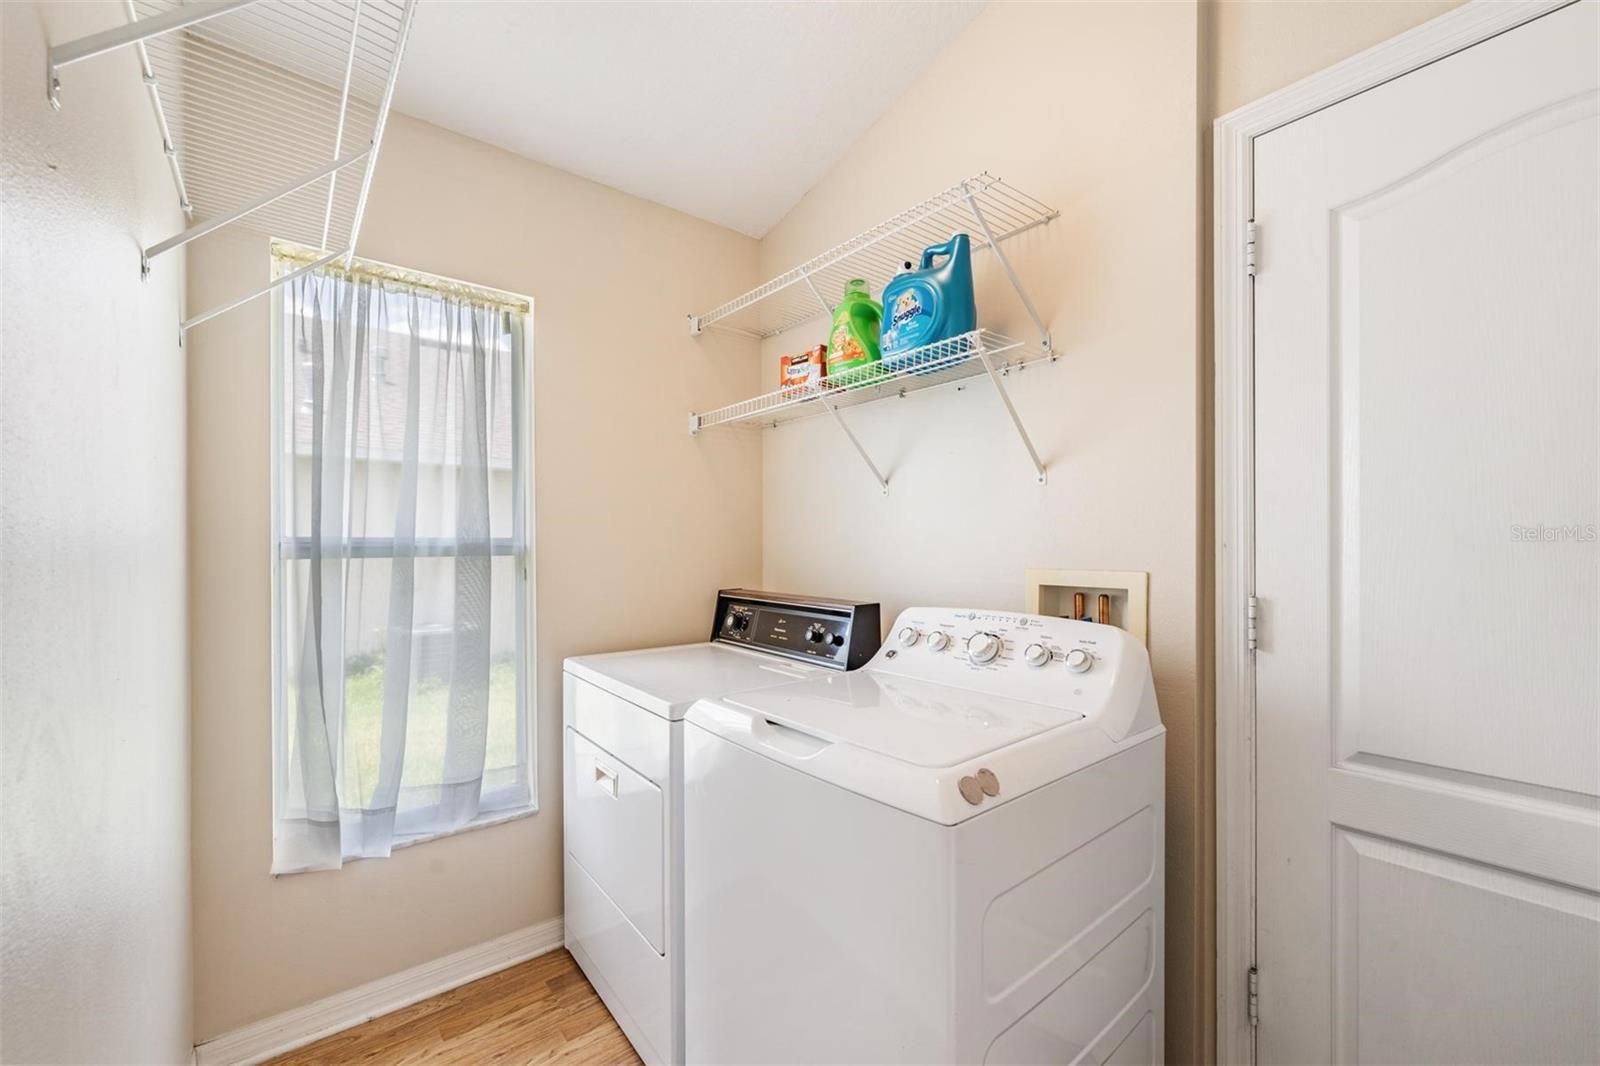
<point x="953" y="855"/>
<point x="622" y="787"/>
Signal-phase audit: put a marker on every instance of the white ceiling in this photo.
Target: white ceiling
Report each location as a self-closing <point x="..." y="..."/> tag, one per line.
<point x="727" y="111"/>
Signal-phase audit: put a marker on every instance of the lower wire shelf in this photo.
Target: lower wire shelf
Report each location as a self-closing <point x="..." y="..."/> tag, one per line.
<point x="963" y="356"/>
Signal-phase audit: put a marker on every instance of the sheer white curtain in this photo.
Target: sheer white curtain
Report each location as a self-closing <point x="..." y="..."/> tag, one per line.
<point x="401" y="567"/>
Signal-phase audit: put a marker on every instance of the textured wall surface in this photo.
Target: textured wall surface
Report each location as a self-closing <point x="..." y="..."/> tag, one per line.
<point x="638" y="525"/>
<point x="94" y="751"/>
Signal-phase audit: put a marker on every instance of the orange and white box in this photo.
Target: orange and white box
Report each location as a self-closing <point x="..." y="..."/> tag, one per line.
<point x="805" y="370"/>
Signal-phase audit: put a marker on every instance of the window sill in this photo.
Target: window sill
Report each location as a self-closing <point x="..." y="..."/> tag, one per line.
<point x="481" y="822"/>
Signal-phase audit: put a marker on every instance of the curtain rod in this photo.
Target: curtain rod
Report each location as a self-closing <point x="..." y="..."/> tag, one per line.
<point x="299" y="255"/>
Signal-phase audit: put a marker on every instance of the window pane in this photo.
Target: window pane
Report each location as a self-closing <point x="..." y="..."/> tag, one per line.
<point x="428" y="677"/>
<point x="374" y="416"/>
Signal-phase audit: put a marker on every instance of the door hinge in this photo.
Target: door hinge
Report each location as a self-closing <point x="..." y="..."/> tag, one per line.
<point x="1254" y="1002"/>
<point x="1250" y="233"/>
<point x="1252" y="610"/>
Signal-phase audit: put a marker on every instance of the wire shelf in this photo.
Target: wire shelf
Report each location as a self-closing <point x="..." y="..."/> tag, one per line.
<point x="877" y="255"/>
<point x="271" y="109"/>
<point x="258" y="97"/>
<point x="935" y="364"/>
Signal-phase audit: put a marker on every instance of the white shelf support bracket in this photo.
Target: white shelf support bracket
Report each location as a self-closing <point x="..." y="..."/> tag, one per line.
<point x="695" y="329"/>
<point x="344" y="109"/>
<point x="1016" y="283"/>
<point x="377" y="132"/>
<point x="282" y="279"/>
<point x="883" y="482"/>
<point x="824" y="303"/>
<point x="1016" y="419"/>
<point x="96" y="44"/>
<point x="194" y="232"/>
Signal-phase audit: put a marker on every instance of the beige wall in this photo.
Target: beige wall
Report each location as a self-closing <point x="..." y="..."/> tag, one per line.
<point x="1092" y="108"/>
<point x="638" y="525"/>
<point x="94" y="866"/>
<point x="1260" y="46"/>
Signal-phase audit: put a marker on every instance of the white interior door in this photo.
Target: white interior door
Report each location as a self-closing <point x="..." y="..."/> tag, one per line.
<point x="1427" y="477"/>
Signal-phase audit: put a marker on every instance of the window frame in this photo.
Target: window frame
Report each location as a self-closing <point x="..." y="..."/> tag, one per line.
<point x="525" y="553"/>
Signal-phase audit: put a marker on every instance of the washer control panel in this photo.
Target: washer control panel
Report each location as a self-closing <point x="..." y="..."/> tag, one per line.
<point x="1020" y="655"/>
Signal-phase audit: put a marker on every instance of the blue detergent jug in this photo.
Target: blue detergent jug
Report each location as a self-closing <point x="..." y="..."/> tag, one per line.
<point x="928" y="305"/>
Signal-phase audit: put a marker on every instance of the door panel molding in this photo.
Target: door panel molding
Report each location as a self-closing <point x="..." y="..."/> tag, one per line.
<point x="1237" y="625"/>
<point x="1516" y="940"/>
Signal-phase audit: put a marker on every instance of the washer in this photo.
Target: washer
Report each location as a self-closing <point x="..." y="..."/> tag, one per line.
<point x="954" y="854"/>
<point x="622" y="787"/>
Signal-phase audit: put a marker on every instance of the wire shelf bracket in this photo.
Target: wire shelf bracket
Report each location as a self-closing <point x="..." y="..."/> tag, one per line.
<point x="255" y="102"/>
<point x="844" y="427"/>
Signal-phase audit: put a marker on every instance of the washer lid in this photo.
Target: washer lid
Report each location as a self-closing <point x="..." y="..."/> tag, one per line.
<point x="937" y="752"/>
<point x="666" y="681"/>
<point x="906" y="719"/>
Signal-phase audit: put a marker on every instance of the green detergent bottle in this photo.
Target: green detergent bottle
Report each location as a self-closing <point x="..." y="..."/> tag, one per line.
<point x="853" y="340"/>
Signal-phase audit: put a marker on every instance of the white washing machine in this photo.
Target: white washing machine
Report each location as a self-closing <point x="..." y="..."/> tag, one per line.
<point x="622" y="787"/>
<point x="952" y="855"/>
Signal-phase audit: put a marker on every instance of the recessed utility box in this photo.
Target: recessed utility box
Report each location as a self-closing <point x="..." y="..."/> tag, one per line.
<point x="1117" y="597"/>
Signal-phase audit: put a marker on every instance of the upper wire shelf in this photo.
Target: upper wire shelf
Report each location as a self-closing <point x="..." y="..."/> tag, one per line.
<point x="271" y="109"/>
<point x="1001" y="210"/>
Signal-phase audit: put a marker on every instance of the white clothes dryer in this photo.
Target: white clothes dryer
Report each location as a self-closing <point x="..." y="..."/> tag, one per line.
<point x="622" y="787"/>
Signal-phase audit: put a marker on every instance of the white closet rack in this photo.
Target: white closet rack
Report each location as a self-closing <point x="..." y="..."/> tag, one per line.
<point x="985" y="205"/>
<point x="262" y="107"/>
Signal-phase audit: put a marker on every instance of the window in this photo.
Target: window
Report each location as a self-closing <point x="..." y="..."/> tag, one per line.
<point x="402" y="607"/>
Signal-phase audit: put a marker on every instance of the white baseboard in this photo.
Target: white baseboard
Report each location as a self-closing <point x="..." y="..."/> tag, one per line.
<point x="296" y="1028"/>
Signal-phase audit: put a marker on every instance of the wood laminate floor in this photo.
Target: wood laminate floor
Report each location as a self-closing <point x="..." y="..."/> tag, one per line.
<point x="541" y="1011"/>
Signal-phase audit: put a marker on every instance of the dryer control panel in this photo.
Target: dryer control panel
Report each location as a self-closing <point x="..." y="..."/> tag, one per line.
<point x="842" y="634"/>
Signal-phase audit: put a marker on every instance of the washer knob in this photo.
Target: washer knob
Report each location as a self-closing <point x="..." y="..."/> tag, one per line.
<point x="1079" y="661"/>
<point x="983" y="647"/>
<point x="1036" y="654"/>
<point x="815" y="633"/>
<point x="938" y="640"/>
<point x="908" y="636"/>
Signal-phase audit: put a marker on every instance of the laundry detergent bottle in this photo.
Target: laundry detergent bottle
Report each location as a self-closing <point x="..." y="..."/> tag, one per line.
<point x="929" y="304"/>
<point x="853" y="340"/>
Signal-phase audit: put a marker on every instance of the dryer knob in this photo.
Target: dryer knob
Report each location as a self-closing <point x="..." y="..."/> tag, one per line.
<point x="983" y="647"/>
<point x="908" y="636"/>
